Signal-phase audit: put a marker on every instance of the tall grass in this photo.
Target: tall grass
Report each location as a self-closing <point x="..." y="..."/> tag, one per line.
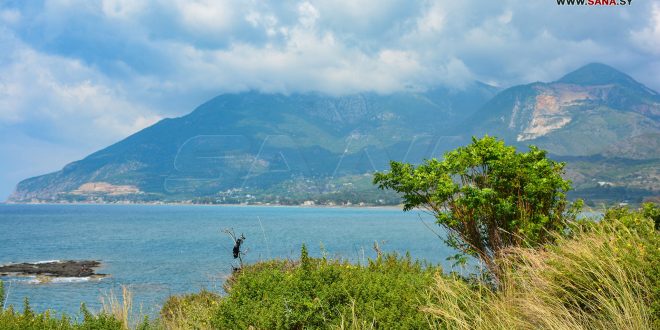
<point x="190" y="311"/>
<point x="353" y="321"/>
<point x="121" y="309"/>
<point x="600" y="278"/>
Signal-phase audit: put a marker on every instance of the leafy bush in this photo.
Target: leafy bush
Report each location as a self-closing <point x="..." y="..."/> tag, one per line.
<point x="488" y="196"/>
<point x="30" y="320"/>
<point x="191" y="311"/>
<point x="321" y="293"/>
<point x="605" y="276"/>
<point x="642" y="252"/>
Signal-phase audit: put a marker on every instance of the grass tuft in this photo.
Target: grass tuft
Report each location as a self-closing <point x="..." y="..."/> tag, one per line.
<point x="605" y="276"/>
<point x="191" y="311"/>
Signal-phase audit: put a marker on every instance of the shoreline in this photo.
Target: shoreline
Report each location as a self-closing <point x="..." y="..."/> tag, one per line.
<point x="320" y="206"/>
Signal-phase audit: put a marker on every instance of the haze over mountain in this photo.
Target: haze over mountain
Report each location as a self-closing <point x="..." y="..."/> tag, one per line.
<point x="309" y="145"/>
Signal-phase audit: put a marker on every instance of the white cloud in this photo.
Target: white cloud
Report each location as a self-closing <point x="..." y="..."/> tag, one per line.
<point x="265" y="21"/>
<point x="63" y="99"/>
<point x="89" y="72"/>
<point x="506" y="17"/>
<point x="308" y="14"/>
<point x="337" y="46"/>
<point x="10" y="16"/>
<point x="309" y="59"/>
<point x="206" y="16"/>
<point x="648" y="39"/>
<point x="122" y="9"/>
<point x="432" y="21"/>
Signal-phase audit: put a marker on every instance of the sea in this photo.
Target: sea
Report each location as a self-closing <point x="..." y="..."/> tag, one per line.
<point x="160" y="250"/>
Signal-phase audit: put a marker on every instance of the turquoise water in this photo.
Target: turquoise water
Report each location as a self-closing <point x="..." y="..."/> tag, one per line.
<point x="159" y="250"/>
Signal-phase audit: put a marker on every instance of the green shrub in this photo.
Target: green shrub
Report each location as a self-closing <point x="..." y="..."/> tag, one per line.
<point x="321" y="293"/>
<point x="642" y="252"/>
<point x="191" y="311"/>
<point x="488" y="196"/>
<point x="30" y="320"/>
<point x="604" y="276"/>
<point x="2" y="295"/>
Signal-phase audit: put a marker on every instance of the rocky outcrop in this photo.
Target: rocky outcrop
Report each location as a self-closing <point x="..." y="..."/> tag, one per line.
<point x="68" y="268"/>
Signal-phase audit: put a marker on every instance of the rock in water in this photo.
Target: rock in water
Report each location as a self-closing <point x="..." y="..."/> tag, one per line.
<point x="67" y="268"/>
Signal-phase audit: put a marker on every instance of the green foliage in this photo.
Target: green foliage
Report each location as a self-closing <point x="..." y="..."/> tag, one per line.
<point x="602" y="274"/>
<point x="305" y="261"/>
<point x="191" y="311"/>
<point x="30" y="320"/>
<point x="321" y="293"/>
<point x="487" y="195"/>
<point x="605" y="275"/>
<point x="602" y="181"/>
<point x="2" y="295"/>
<point x="642" y="253"/>
<point x="99" y="321"/>
<point x="652" y="211"/>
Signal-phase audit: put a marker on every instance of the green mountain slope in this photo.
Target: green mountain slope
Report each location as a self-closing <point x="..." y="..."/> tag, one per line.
<point x="291" y="148"/>
<point x="584" y="113"/>
<point x="604" y="123"/>
<point x="252" y="141"/>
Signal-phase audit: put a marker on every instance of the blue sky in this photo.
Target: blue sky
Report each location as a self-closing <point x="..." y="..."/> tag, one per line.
<point x="78" y="75"/>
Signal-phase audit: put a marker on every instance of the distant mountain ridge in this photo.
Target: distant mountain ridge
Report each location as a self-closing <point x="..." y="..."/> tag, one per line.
<point x="583" y="113"/>
<point x="270" y="147"/>
<point x="254" y="141"/>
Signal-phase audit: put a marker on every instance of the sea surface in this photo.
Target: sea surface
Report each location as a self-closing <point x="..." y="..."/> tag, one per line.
<point x="160" y="250"/>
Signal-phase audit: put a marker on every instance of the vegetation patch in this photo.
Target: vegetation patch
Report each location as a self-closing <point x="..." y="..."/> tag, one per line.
<point x="27" y="319"/>
<point x="543" y="268"/>
<point x="605" y="275"/>
<point x="322" y="293"/>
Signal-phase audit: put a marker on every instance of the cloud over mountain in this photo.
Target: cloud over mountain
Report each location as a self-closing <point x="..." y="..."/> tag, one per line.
<point x="79" y="74"/>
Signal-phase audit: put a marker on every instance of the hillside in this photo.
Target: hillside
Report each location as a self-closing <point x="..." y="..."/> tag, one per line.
<point x="271" y="148"/>
<point x="602" y="122"/>
<point x="239" y="145"/>
<point x="587" y="112"/>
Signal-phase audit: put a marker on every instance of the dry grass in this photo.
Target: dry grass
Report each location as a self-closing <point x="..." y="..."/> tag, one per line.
<point x="591" y="281"/>
<point x="121" y="309"/>
<point x="354" y="322"/>
<point x="191" y="311"/>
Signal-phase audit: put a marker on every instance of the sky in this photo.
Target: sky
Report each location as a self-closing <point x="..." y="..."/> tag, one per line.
<point x="79" y="75"/>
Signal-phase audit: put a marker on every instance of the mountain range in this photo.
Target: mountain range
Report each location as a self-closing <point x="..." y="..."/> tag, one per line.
<point x="274" y="148"/>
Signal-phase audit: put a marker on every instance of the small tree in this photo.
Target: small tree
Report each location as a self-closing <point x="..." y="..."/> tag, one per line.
<point x="487" y="195"/>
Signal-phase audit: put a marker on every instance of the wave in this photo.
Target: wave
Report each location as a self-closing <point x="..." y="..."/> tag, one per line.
<point x="70" y="279"/>
<point x="31" y="279"/>
<point x="32" y="263"/>
<point x="45" y="261"/>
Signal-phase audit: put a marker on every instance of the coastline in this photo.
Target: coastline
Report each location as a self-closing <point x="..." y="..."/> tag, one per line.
<point x="316" y="206"/>
<point x="586" y="209"/>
